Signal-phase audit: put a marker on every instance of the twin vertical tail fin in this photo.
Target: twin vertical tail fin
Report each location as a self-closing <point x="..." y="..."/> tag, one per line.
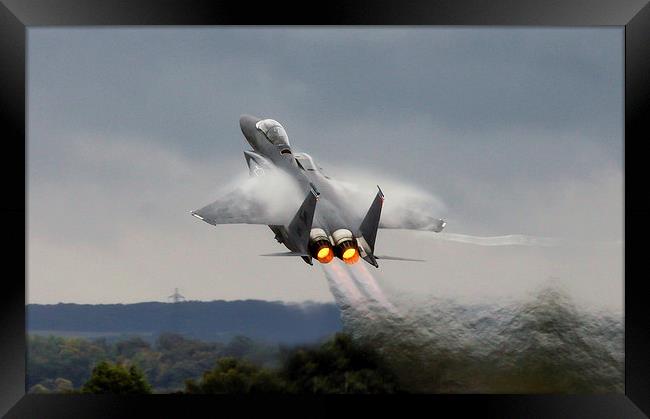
<point x="368" y="233"/>
<point x="369" y="226"/>
<point x="300" y="227"/>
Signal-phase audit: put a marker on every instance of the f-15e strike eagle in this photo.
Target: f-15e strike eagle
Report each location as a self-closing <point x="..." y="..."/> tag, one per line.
<point x="324" y="226"/>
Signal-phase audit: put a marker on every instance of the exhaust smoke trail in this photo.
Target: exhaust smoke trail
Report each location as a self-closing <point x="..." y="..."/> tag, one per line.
<point x="343" y="282"/>
<point x="355" y="288"/>
<point x="348" y="297"/>
<point x="367" y="282"/>
<point x="540" y="344"/>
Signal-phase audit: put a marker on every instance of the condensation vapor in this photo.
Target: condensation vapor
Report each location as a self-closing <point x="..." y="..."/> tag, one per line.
<point x="405" y="205"/>
<point x="270" y="199"/>
<point x="516" y="240"/>
<point x="276" y="196"/>
<point x="540" y="344"/>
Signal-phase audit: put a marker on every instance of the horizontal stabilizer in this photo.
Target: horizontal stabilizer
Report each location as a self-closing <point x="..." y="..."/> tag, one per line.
<point x="286" y="254"/>
<point x="399" y="258"/>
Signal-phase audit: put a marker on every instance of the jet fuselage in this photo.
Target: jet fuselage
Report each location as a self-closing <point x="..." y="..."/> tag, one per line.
<point x="331" y="212"/>
<point x="325" y="225"/>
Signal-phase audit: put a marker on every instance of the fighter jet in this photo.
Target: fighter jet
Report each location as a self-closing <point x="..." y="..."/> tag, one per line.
<point x="324" y="226"/>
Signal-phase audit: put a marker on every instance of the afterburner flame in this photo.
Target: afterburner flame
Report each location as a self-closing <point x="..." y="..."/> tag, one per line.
<point x="350" y="255"/>
<point x="325" y="254"/>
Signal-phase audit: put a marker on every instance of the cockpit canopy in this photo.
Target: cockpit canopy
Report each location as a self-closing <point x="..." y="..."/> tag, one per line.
<point x="273" y="131"/>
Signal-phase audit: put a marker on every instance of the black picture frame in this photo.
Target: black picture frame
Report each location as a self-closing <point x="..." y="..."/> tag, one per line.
<point x="16" y="16"/>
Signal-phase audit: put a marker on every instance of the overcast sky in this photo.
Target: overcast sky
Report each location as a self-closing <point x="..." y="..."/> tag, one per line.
<point x="515" y="131"/>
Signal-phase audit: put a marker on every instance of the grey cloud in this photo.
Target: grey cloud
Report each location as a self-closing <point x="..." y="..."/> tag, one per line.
<point x="188" y="86"/>
<point x="514" y="131"/>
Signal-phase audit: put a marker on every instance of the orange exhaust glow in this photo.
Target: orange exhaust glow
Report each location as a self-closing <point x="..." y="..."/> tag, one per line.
<point x="350" y="255"/>
<point x="325" y="254"/>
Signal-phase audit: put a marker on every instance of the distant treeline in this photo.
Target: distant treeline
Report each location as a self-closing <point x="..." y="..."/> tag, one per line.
<point x="166" y="364"/>
<point x="177" y="364"/>
<point x="544" y="343"/>
<point x="209" y="321"/>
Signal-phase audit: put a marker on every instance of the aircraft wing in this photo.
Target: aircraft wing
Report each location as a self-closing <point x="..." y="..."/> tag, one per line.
<point x="254" y="201"/>
<point x="233" y="208"/>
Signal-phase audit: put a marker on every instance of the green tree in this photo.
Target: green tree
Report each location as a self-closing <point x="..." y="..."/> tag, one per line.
<point x="128" y="348"/>
<point x="338" y="366"/>
<point x="116" y="379"/>
<point x="72" y="358"/>
<point x="236" y="376"/>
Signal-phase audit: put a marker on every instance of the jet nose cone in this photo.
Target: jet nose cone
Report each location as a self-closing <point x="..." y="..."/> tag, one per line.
<point x="247" y="123"/>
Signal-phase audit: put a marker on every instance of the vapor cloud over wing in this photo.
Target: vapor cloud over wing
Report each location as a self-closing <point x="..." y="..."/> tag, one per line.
<point x="271" y="199"/>
<point x="406" y="206"/>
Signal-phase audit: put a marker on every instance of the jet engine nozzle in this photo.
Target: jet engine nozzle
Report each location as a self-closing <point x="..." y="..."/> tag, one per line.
<point x="348" y="252"/>
<point x="322" y="251"/>
<point x="346" y="246"/>
<point x="320" y="246"/>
